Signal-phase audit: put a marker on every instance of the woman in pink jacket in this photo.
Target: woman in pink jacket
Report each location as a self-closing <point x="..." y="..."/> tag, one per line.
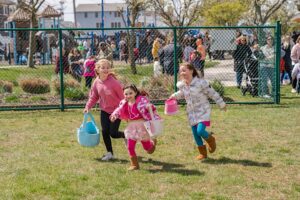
<point x="107" y="92"/>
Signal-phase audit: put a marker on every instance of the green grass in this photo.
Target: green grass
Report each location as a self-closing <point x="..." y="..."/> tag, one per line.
<point x="257" y="157"/>
<point x="15" y="73"/>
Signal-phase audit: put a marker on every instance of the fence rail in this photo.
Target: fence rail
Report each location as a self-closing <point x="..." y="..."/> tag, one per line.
<point x="243" y="69"/>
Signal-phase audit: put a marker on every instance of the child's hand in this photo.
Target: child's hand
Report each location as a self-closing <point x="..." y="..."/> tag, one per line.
<point x="224" y="108"/>
<point x="148" y="106"/>
<point x="112" y="118"/>
<point x="85" y="110"/>
<point x="172" y="97"/>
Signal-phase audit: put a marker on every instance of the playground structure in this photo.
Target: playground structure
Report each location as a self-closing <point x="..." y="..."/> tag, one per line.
<point x="45" y="42"/>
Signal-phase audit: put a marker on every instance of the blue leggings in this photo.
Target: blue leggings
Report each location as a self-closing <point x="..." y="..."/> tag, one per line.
<point x="199" y="132"/>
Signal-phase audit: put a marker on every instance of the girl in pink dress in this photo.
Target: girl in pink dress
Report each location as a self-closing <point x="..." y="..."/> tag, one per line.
<point x="134" y="108"/>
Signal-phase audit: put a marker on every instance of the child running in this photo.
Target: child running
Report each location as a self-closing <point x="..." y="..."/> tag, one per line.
<point x="196" y="92"/>
<point x="107" y="91"/>
<point x="134" y="109"/>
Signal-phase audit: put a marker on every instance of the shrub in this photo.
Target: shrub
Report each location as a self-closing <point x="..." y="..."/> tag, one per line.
<point x="12" y="99"/>
<point x="158" y="87"/>
<point x="35" y="86"/>
<point x="74" y="94"/>
<point x="218" y="87"/>
<point x="124" y="80"/>
<point x="36" y="98"/>
<point x="15" y="83"/>
<point x="6" y="86"/>
<point x="69" y="83"/>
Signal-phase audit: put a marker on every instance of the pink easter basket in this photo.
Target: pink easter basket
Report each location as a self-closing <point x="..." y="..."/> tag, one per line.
<point x="171" y="107"/>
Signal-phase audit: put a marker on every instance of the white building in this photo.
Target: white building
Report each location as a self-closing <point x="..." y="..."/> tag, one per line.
<point x="89" y="16"/>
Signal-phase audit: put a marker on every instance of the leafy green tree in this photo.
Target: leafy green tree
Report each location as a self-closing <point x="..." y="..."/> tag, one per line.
<point x="226" y="13"/>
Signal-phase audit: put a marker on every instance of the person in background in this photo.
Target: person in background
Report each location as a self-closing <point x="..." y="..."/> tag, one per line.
<point x="76" y="63"/>
<point x="267" y="69"/>
<point x="105" y="52"/>
<point x="201" y="49"/>
<point x="295" y="56"/>
<point x="287" y="45"/>
<point x="107" y="92"/>
<point x="65" y="62"/>
<point x="89" y="70"/>
<point x="241" y="55"/>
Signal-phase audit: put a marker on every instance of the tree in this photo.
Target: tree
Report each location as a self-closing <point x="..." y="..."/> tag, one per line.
<point x="180" y="13"/>
<point x="134" y="7"/>
<point x="264" y="9"/>
<point x="284" y="14"/>
<point x="226" y="13"/>
<point x="31" y="6"/>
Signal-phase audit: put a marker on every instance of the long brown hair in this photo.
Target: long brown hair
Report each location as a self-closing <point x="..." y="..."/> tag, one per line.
<point x="136" y="90"/>
<point x="190" y="67"/>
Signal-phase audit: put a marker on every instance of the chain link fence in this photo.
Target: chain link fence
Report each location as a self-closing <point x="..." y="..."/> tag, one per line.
<point x="53" y="68"/>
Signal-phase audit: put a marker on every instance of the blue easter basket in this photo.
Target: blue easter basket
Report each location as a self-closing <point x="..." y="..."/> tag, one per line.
<point x="88" y="133"/>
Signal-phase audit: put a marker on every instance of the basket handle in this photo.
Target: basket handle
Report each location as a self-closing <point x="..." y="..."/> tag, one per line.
<point x="150" y="111"/>
<point x="86" y="116"/>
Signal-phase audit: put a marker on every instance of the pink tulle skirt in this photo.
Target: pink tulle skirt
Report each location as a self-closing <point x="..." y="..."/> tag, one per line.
<point x="136" y="130"/>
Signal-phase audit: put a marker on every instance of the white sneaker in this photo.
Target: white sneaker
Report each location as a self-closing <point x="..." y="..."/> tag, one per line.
<point x="125" y="142"/>
<point x="293" y="90"/>
<point x="267" y="96"/>
<point x="107" y="156"/>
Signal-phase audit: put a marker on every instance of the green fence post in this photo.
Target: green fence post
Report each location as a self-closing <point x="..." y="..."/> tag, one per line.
<point x="175" y="57"/>
<point x="61" y="71"/>
<point x="277" y="62"/>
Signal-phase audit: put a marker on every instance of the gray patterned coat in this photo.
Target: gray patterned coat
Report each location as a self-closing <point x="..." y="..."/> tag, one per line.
<point x="196" y="95"/>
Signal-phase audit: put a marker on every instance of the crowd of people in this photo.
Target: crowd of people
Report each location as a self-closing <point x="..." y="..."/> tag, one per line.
<point x="253" y="56"/>
<point x="257" y="59"/>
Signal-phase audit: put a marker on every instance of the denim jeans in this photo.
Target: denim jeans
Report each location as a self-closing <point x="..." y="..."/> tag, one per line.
<point x="266" y="73"/>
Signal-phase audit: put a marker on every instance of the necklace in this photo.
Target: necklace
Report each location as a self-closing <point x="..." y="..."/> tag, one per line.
<point x="131" y="112"/>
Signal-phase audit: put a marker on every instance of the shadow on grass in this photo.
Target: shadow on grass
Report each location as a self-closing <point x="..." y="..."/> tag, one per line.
<point x="159" y="167"/>
<point x="115" y="160"/>
<point x="244" y="162"/>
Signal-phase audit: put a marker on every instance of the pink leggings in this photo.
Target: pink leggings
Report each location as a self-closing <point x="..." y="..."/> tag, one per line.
<point x="147" y="145"/>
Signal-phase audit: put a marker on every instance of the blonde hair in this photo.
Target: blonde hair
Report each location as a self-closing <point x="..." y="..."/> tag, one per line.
<point x="100" y="63"/>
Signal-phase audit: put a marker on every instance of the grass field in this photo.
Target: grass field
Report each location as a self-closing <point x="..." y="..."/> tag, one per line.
<point x="257" y="158"/>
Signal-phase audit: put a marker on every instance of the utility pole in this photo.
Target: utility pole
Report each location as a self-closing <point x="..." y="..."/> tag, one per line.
<point x="61" y="9"/>
<point x="74" y="10"/>
<point x="102" y="18"/>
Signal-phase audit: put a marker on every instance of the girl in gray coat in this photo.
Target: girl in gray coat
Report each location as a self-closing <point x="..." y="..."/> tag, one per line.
<point x="196" y="92"/>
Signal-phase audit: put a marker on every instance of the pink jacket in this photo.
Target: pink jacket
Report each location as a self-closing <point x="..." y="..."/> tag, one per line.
<point x="136" y="111"/>
<point x="89" y="68"/>
<point x="107" y="93"/>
